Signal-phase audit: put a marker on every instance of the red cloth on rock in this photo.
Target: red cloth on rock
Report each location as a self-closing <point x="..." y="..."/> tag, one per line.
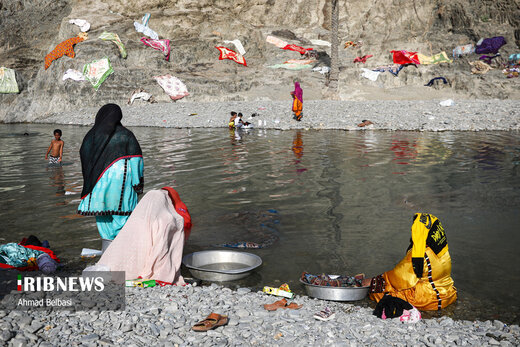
<point x="405" y="57"/>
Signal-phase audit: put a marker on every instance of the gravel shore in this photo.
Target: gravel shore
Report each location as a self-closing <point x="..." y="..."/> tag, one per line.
<point x="419" y="115"/>
<point x="164" y="316"/>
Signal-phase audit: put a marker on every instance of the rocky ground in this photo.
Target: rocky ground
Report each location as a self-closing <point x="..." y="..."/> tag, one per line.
<point x="164" y="316"/>
<point x="421" y="115"/>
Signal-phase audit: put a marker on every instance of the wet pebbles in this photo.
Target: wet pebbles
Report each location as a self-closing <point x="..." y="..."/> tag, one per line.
<point x="164" y="316"/>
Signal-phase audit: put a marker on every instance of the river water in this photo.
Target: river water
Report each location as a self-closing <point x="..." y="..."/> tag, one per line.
<point x="333" y="201"/>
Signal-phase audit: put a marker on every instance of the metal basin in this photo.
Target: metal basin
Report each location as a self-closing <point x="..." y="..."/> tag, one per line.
<point x="335" y="293"/>
<point x="221" y="265"/>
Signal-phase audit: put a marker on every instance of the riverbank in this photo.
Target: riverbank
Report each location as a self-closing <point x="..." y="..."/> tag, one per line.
<point x="416" y="115"/>
<point x="165" y="316"/>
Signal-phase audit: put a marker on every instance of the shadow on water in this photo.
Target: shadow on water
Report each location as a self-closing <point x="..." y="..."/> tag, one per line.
<point x="345" y="200"/>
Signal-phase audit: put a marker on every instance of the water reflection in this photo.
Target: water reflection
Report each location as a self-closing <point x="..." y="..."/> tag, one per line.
<point x="57" y="178"/>
<point x="297" y="148"/>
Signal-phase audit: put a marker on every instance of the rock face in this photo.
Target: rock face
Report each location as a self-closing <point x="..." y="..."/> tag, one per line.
<point x="30" y="30"/>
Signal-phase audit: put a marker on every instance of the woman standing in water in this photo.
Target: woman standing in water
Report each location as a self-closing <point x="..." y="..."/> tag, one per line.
<point x="112" y="166"/>
<point x="297" y="105"/>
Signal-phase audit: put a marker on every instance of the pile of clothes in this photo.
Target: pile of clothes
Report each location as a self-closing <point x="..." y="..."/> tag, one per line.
<point x="29" y="255"/>
<point x="333" y="280"/>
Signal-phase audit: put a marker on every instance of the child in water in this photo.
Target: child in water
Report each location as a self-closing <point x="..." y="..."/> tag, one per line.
<point x="55" y="148"/>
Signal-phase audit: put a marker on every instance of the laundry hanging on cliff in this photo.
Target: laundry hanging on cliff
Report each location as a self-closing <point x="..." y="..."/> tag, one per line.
<point x="362" y="59"/>
<point x="238" y="45"/>
<point x="514" y="58"/>
<point x="322" y="69"/>
<point x="8" y="81"/>
<point x="441" y="57"/>
<point x="371" y="75"/>
<point x="291" y="66"/>
<point x="432" y="81"/>
<point x="160" y="45"/>
<point x="463" y="50"/>
<point x="512" y="72"/>
<point x="73" y="75"/>
<point x="276" y="41"/>
<point x="300" y="61"/>
<point x="491" y="45"/>
<point x="320" y="43"/>
<point x="140" y="94"/>
<point x="488" y="59"/>
<point x="106" y="36"/>
<point x="479" y="67"/>
<point x="64" y="48"/>
<point x="172" y="86"/>
<point x="298" y="49"/>
<point x="144" y="28"/>
<point x="393" y="69"/>
<point x="97" y="71"/>
<point x="353" y="44"/>
<point x="405" y="57"/>
<point x="226" y="53"/>
<point x="84" y="26"/>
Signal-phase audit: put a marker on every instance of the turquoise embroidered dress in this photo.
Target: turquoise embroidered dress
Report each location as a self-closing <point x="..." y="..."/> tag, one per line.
<point x="114" y="196"/>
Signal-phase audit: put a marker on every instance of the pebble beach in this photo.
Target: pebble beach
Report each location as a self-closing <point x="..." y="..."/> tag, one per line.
<point x="164" y="316"/>
<point x="416" y="115"/>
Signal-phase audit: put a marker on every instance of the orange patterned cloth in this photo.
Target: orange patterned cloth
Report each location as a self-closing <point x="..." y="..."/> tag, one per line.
<point x="64" y="48"/>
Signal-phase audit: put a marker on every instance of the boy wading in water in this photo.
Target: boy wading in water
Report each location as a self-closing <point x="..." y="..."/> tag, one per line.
<point x="55" y="148"/>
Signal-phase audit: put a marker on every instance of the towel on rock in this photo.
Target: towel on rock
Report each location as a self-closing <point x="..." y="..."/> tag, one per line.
<point x="172" y="86"/>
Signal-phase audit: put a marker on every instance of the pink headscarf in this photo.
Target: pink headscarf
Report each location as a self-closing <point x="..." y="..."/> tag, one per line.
<point x="298" y="91"/>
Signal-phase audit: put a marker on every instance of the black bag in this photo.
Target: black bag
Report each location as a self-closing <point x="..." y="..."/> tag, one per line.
<point x="392" y="306"/>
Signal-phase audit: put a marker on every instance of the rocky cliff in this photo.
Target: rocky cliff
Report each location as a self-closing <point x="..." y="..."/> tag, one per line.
<point x="30" y="30"/>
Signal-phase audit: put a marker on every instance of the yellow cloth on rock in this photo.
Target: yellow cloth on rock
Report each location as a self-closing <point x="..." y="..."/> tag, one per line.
<point x="432" y="290"/>
<point x="441" y="57"/>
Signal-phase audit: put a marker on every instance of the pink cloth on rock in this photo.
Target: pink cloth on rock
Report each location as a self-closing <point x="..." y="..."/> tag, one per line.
<point x="172" y="86"/>
<point x="151" y="242"/>
<point x="160" y="45"/>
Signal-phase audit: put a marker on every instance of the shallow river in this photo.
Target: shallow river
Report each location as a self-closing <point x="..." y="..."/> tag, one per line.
<point x="330" y="201"/>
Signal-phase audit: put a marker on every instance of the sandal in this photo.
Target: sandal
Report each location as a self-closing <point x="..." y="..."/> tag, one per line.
<point x="282" y="304"/>
<point x="211" y="322"/>
<point x="325" y="314"/>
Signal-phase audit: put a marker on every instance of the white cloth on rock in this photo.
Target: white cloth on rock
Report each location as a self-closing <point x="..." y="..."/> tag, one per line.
<point x="73" y="75"/>
<point x="371" y="75"/>
<point x="145" y="29"/>
<point x="84" y="26"/>
<point x="172" y="86"/>
<point x="238" y="45"/>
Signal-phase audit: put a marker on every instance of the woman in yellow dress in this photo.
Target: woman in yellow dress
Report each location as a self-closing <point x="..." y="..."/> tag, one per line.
<point x="423" y="276"/>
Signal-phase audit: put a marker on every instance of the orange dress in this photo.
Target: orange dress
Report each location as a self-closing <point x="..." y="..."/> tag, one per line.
<point x="433" y="288"/>
<point x="297" y="106"/>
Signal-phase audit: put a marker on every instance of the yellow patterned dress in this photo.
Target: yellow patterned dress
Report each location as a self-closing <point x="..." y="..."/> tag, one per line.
<point x="423" y="276"/>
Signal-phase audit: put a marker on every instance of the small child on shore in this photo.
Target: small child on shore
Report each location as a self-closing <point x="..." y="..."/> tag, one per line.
<point x="56" y="149"/>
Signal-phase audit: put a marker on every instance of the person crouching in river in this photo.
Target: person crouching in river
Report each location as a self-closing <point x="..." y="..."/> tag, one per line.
<point x="423" y="276"/>
<point x="112" y="167"/>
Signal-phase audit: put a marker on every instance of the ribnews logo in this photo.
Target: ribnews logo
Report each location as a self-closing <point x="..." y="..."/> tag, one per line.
<point x="94" y="291"/>
<point x="66" y="284"/>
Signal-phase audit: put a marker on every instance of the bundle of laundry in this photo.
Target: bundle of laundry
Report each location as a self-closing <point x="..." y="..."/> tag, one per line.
<point x="28" y="255"/>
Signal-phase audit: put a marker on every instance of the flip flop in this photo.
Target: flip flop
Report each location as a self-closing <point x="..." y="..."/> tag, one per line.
<point x="282" y="304"/>
<point x="276" y="305"/>
<point x="211" y="322"/>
